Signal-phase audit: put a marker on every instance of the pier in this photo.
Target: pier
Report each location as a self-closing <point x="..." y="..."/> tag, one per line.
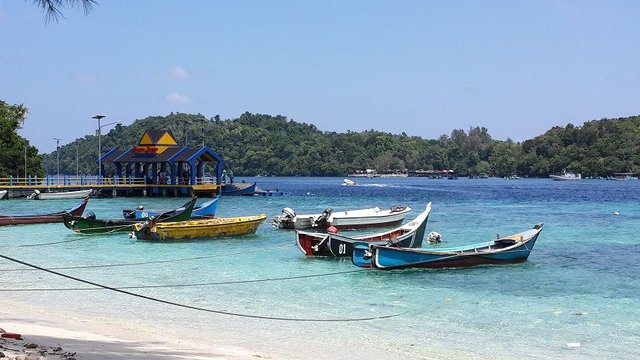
<point x="108" y="186"/>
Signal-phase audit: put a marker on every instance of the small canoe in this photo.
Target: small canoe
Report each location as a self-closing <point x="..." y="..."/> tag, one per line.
<point x="79" y="194"/>
<point x="333" y="244"/>
<point x="90" y="225"/>
<point x="206" y="210"/>
<point x="45" y="218"/>
<point x="504" y="250"/>
<point x="342" y="220"/>
<point x="206" y="228"/>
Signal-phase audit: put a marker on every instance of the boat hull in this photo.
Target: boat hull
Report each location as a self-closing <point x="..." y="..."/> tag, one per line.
<point x="336" y="245"/>
<point x="347" y="220"/>
<point x="80" y="194"/>
<point x="513" y="249"/>
<point x="209" y="228"/>
<point x="206" y="210"/>
<point x="77" y="210"/>
<point x="239" y="189"/>
<point x="89" y="226"/>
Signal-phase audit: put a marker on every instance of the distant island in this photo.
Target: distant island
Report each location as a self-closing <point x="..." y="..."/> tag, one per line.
<point x="266" y="145"/>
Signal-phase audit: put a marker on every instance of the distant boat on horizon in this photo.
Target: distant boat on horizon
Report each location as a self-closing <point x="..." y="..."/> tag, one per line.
<point x="566" y="176"/>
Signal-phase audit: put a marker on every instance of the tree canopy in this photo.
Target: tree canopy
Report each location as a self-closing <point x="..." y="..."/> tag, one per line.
<point x="259" y="144"/>
<point x="13" y="147"/>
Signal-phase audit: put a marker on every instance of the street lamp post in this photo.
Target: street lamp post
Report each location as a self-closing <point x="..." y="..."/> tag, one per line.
<point x="99" y="117"/>
<point x="58" y="153"/>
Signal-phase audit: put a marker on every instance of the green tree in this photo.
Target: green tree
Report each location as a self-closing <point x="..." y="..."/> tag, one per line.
<point x="14" y="147"/>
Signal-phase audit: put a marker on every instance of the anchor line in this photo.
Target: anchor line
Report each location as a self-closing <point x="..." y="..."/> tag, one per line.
<point x="220" y="312"/>
<point x="144" y="262"/>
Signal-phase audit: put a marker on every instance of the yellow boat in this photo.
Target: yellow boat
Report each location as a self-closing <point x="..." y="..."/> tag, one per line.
<point x="207" y="228"/>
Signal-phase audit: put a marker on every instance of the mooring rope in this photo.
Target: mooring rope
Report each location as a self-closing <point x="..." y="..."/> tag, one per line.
<point x="220" y="312"/>
<point x="149" y="262"/>
<point x="192" y="284"/>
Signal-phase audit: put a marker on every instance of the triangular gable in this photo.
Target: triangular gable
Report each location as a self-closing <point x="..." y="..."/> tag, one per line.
<point x="146" y="139"/>
<point x="167" y="139"/>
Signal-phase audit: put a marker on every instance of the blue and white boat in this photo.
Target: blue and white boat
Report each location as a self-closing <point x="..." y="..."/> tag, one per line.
<point x="504" y="250"/>
<point x="205" y="210"/>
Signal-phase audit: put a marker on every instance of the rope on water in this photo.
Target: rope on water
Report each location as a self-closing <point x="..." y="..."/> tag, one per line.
<point x="192" y="284"/>
<point x="220" y="312"/>
<point x="113" y="229"/>
<point x="146" y="262"/>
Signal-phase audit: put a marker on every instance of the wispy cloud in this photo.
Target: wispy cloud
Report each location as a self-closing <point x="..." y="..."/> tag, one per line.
<point x="178" y="73"/>
<point x="85" y="79"/>
<point x="178" y="99"/>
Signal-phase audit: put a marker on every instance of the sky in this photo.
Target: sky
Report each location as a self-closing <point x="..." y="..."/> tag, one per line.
<point x="420" y="67"/>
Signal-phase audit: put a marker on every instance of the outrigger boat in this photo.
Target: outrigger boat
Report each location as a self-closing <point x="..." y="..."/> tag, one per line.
<point x="88" y="225"/>
<point x="342" y="220"/>
<point x="45" y="218"/>
<point x="206" y="210"/>
<point x="208" y="228"/>
<point x="504" y="250"/>
<point x="333" y="244"/>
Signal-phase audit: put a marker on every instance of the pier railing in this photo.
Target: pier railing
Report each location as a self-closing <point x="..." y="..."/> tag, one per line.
<point x="87" y="181"/>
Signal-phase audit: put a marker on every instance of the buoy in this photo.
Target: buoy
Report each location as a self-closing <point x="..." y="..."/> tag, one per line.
<point x="332" y="230"/>
<point x="573" y="345"/>
<point x="616" y="213"/>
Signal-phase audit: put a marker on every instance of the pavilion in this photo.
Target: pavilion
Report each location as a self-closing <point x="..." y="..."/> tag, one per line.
<point x="160" y="161"/>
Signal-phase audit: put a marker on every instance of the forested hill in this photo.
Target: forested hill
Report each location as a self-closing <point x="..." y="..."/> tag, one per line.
<point x="257" y="144"/>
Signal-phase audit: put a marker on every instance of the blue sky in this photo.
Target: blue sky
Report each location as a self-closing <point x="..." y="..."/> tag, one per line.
<point x="420" y="67"/>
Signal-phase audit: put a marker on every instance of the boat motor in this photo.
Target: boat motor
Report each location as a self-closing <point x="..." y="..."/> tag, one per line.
<point x="323" y="220"/>
<point x="287" y="215"/>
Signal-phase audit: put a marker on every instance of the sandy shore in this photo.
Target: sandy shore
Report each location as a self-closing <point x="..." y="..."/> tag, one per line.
<point x="51" y="336"/>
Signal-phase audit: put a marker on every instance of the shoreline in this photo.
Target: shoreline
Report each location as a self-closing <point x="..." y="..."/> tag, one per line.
<point x="55" y="336"/>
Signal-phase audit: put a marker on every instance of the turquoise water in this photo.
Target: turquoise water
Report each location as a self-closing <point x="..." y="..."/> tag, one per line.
<point x="580" y="284"/>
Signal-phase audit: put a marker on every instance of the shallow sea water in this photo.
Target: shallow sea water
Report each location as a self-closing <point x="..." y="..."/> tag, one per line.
<point x="580" y="285"/>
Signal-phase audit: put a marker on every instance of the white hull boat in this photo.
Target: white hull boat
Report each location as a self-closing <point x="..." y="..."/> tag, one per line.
<point x="351" y="219"/>
<point x="78" y="194"/>
<point x="566" y="177"/>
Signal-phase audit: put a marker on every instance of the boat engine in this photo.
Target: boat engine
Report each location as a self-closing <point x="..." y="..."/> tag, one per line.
<point x="323" y="220"/>
<point x="287" y="215"/>
<point x="434" y="238"/>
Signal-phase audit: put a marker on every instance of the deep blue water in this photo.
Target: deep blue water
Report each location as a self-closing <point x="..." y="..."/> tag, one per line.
<point x="581" y="283"/>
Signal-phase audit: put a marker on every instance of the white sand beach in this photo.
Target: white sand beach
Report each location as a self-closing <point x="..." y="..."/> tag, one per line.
<point x="49" y="335"/>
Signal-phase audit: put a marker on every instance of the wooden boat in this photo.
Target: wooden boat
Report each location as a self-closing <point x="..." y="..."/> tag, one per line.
<point x="90" y="225"/>
<point x="342" y="220"/>
<point x="206" y="210"/>
<point x="504" y="250"/>
<point x="43" y="219"/>
<point x="206" y="228"/>
<point x="78" y="194"/>
<point x="239" y="189"/>
<point x="333" y="244"/>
